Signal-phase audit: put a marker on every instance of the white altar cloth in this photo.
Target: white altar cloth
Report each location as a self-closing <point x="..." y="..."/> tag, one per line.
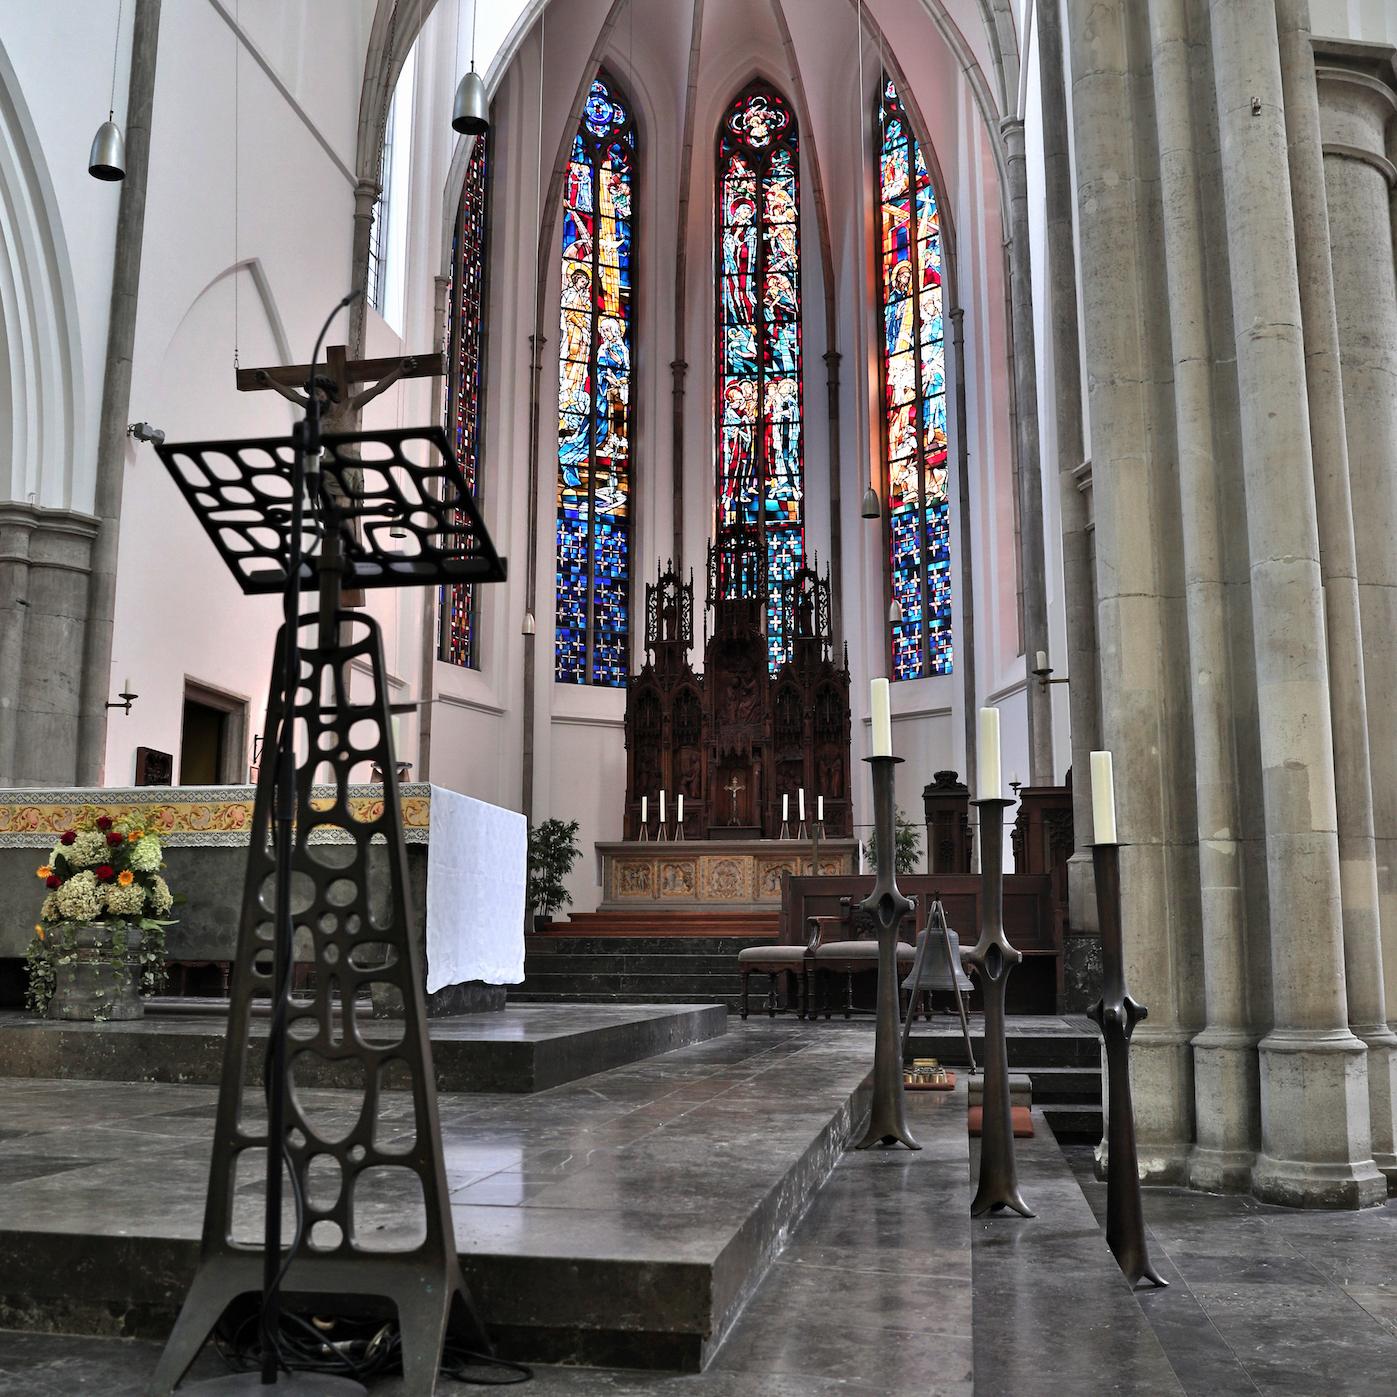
<point x="477" y="875"/>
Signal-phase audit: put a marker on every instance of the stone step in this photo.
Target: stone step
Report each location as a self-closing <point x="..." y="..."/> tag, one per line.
<point x="640" y="962"/>
<point x="551" y="944"/>
<point x="1080" y="1123"/>
<point x="640" y="984"/>
<point x="1027" y="1049"/>
<point x="524" y="995"/>
<point x="1052" y="1085"/>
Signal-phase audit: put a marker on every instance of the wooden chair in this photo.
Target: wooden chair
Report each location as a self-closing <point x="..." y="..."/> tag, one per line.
<point x="785" y="961"/>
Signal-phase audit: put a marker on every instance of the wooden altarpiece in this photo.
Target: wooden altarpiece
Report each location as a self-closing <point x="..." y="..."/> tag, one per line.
<point x="735" y="738"/>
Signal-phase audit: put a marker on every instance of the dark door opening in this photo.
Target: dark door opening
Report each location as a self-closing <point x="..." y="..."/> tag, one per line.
<point x="202" y="744"/>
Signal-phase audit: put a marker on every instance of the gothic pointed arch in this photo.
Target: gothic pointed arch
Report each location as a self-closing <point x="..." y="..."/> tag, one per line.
<point x="596" y="344"/>
<point x="913" y="358"/>
<point x="459" y="637"/>
<point x="759" y="409"/>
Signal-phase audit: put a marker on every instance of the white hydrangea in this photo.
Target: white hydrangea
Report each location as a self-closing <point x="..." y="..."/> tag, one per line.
<point x="161" y="899"/>
<point x="144" y="855"/>
<point x="49" y="911"/>
<point x="78" y="900"/>
<point x="90" y="847"/>
<point x="124" y="902"/>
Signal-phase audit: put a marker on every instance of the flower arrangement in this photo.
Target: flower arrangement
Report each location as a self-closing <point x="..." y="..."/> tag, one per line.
<point x="103" y="873"/>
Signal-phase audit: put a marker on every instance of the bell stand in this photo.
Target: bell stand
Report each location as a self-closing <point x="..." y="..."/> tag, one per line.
<point x="239" y="491"/>
<point x="936" y="921"/>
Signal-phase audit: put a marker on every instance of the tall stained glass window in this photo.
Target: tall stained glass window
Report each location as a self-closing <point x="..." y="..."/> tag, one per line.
<point x="594" y="394"/>
<point x="914" y="376"/>
<point x="460" y="626"/>
<point x="761" y="482"/>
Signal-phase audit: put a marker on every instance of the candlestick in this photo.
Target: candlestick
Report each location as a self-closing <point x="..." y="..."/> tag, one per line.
<point x="1103" y="799"/>
<point x="800" y="805"/>
<point x="990" y="781"/>
<point x="819" y="810"/>
<point x="881" y="700"/>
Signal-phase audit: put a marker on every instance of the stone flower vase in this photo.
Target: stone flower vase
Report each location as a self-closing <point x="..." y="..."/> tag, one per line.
<point x="90" y="987"/>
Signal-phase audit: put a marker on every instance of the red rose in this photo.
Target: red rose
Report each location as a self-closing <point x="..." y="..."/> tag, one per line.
<point x="53" y="881"/>
<point x="104" y="822"/>
<point x="69" y="836"/>
<point x="115" y="838"/>
<point x="106" y="872"/>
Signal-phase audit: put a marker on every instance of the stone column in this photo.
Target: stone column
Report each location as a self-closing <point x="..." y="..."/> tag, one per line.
<point x="1226" y="1086"/>
<point x="1078" y="582"/>
<point x="1032" y="560"/>
<point x="678" y="371"/>
<point x="965" y="546"/>
<point x="836" y="500"/>
<point x="366" y="196"/>
<point x="116" y="398"/>
<point x="1358" y="873"/>
<point x="1316" y="1148"/>
<point x="1136" y="678"/>
<point x="1357" y="107"/>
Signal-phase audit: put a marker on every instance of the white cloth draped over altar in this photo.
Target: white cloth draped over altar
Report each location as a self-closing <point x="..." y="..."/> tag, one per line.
<point x="477" y="875"/>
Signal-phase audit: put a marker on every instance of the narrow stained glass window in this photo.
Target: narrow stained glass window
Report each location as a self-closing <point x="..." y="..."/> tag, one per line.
<point x="594" y="394"/>
<point x="914" y="377"/>
<point x="761" y="483"/>
<point x="460" y="625"/>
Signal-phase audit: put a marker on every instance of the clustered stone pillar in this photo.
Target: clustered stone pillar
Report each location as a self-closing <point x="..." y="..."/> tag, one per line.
<point x="1132" y="631"/>
<point x="1314" y="1107"/>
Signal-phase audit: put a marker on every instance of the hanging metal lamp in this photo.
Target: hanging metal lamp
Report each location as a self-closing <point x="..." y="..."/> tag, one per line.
<point x="108" y="157"/>
<point x="872" y="509"/>
<point x="470" y="114"/>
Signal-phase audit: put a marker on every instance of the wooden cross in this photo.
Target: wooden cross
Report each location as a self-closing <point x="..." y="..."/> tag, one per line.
<point x="340" y="405"/>
<point x="732" y="788"/>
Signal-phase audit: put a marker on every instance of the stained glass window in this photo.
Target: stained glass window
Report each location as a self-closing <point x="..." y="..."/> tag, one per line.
<point x="460" y="624"/>
<point x="761" y="482"/>
<point x="914" y="377"/>
<point x="594" y="394"/>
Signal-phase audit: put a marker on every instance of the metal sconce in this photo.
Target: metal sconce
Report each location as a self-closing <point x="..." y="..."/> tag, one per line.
<point x="125" y="699"/>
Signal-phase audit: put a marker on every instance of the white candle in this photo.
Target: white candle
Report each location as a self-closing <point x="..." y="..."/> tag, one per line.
<point x="800" y="805"/>
<point x="1103" y="799"/>
<point x="645" y="810"/>
<point x="1042" y="660"/>
<point x="820" y="809"/>
<point x="397" y="735"/>
<point x="126" y="685"/>
<point x="990" y="781"/>
<point x="679" y="809"/>
<point x="785" y="808"/>
<point x="662" y="807"/>
<point x="881" y="698"/>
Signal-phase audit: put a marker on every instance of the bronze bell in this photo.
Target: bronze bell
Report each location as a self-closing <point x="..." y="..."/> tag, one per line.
<point x="935" y="973"/>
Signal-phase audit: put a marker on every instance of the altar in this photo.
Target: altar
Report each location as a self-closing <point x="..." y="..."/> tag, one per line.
<point x="467" y="875"/>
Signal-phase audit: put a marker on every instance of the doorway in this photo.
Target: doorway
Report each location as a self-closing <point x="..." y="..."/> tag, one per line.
<point x="212" y="737"/>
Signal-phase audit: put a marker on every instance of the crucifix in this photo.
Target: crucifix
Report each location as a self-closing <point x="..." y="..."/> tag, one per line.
<point x="339" y="404"/>
<point x="733" y="787"/>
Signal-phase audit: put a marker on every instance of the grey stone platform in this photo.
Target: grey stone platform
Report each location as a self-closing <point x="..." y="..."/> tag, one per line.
<point x="522" y="1048"/>
<point x="622" y="1219"/>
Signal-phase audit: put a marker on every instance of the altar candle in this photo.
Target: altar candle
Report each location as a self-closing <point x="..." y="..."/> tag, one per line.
<point x="785" y="809"/>
<point x="1042" y="660"/>
<point x="820" y="809"/>
<point x="662" y="807"/>
<point x="645" y="810"/>
<point x="679" y="809"/>
<point x="800" y="805"/>
<point x="882" y="719"/>
<point x="1103" y="798"/>
<point x="990" y="780"/>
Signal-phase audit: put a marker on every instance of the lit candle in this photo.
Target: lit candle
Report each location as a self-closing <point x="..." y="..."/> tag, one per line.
<point x="1042" y="659"/>
<point x="800" y="805"/>
<point x="882" y="719"/>
<point x="820" y="809"/>
<point x="679" y="809"/>
<point x="990" y="781"/>
<point x="1103" y="799"/>
<point x="662" y="807"/>
<point x="645" y="810"/>
<point x="785" y="808"/>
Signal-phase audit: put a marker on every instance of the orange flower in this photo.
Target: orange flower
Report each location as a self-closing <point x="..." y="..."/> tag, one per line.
<point x="125" y="877"/>
<point x="135" y="835"/>
<point x="45" y="871"/>
<point x="39" y="930"/>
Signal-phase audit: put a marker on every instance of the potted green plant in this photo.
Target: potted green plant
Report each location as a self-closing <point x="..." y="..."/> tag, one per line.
<point x="552" y="852"/>
<point x="99" y="944"/>
<point x="907" y="846"/>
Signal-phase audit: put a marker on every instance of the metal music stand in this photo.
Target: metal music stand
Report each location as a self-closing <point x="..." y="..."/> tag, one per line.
<point x="388" y="509"/>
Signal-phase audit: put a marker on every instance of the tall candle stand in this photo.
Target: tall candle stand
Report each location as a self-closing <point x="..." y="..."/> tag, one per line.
<point x="887" y="1121"/>
<point x="1116" y="1014"/>
<point x="993" y="958"/>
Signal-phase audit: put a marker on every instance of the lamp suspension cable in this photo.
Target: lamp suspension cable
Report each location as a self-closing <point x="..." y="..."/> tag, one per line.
<point x="237" y="151"/>
<point x="116" y="53"/>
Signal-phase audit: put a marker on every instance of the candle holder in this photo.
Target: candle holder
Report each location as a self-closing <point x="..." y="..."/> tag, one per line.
<point x="661" y="834"/>
<point x="644" y="831"/>
<point x="785" y="831"/>
<point x="993" y="958"/>
<point x="1116" y="1015"/>
<point x="678" y="831"/>
<point x="800" y="833"/>
<point x="817" y="833"/>
<point x="887" y="1121"/>
<point x="1045" y="677"/>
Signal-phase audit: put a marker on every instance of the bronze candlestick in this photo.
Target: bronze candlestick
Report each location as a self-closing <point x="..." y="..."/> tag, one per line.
<point x="993" y="958"/>
<point x="887" y="1122"/>
<point x="1116" y="1014"/>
